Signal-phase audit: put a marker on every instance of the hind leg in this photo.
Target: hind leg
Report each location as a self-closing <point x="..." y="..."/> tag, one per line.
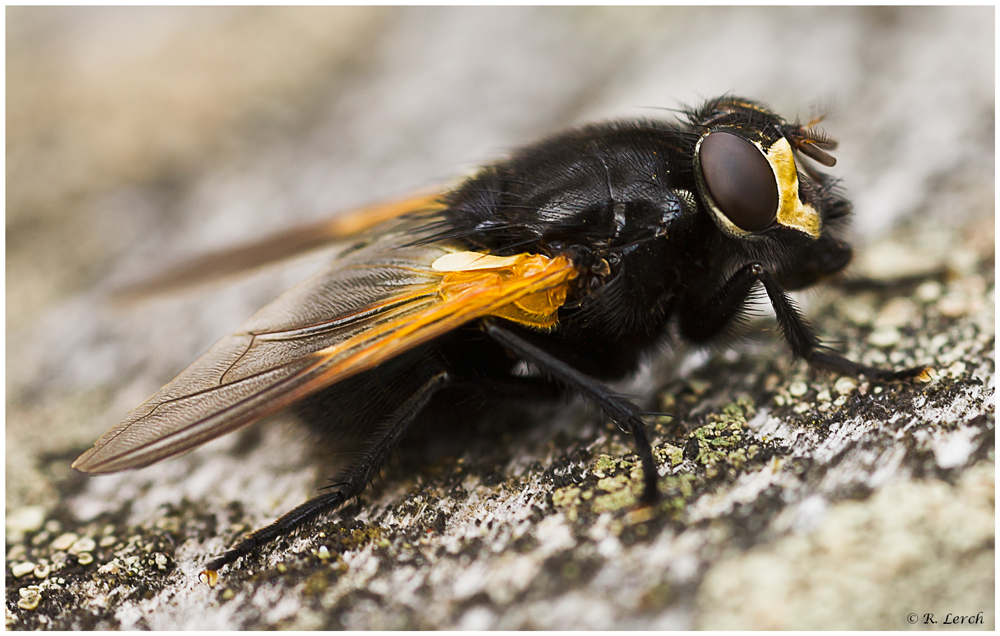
<point x="352" y="482"/>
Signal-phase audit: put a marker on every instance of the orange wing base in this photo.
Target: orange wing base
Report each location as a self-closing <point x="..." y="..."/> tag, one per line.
<point x="528" y="291"/>
<point x="200" y="404"/>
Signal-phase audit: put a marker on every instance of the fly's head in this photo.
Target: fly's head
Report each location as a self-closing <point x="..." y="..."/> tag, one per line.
<point x="771" y="207"/>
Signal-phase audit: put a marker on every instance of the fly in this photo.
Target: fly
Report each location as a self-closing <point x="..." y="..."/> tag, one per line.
<point x="573" y="256"/>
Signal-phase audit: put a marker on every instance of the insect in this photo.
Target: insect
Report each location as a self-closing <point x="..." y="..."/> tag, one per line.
<point x="550" y="272"/>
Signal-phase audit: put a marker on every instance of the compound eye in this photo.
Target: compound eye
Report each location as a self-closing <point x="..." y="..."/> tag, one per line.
<point x="740" y="180"/>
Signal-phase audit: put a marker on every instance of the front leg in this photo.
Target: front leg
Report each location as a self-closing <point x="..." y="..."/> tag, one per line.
<point x="701" y="321"/>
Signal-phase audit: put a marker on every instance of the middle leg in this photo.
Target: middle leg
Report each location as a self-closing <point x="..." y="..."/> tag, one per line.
<point x="617" y="407"/>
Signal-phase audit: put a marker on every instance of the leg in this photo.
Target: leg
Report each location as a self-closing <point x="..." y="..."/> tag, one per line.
<point x="490" y="390"/>
<point x="702" y="322"/>
<point x="354" y="481"/>
<point x="619" y="409"/>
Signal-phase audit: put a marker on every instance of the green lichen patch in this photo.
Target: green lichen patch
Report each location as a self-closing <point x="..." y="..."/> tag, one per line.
<point x="614" y="501"/>
<point x="711" y="456"/>
<point x="724" y="443"/>
<point x="604" y="465"/>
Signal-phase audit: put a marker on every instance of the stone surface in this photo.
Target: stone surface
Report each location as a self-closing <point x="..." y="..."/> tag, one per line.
<point x="792" y="499"/>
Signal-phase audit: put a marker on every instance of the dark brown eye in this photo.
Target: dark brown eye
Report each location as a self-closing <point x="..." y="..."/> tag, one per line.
<point x="740" y="180"/>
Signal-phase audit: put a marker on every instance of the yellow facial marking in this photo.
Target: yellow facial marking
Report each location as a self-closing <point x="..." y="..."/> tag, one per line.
<point x="792" y="213"/>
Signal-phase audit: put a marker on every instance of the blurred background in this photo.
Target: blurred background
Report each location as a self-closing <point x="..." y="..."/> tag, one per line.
<point x="177" y="129"/>
<point x="139" y="137"/>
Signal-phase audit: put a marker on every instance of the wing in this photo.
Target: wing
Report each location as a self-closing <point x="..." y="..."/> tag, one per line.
<point x="292" y="242"/>
<point x="369" y="306"/>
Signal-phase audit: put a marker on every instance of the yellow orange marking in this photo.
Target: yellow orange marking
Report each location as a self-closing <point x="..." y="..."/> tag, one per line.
<point x="792" y="213"/>
<point x="529" y="290"/>
<point x="369" y="216"/>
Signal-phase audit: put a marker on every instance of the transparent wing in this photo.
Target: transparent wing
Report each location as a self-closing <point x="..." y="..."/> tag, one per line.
<point x="243" y="258"/>
<point x="369" y="306"/>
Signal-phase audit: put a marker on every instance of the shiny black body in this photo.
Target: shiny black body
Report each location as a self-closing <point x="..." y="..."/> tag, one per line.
<point x="624" y="201"/>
